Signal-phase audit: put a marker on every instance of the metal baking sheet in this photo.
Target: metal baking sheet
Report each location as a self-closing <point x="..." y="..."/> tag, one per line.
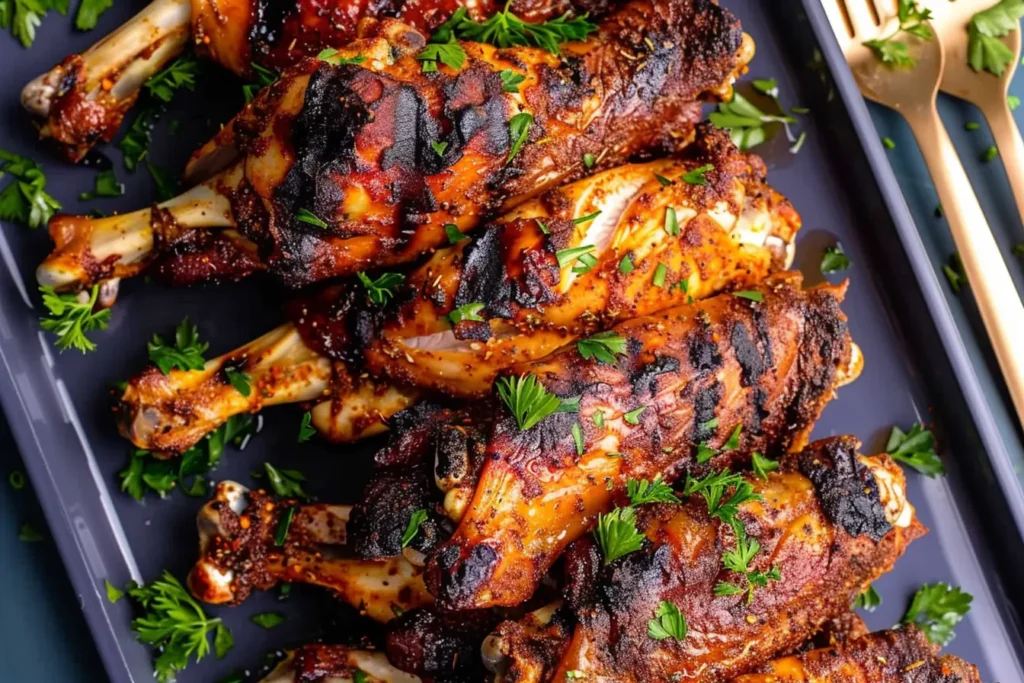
<point x="57" y="404"/>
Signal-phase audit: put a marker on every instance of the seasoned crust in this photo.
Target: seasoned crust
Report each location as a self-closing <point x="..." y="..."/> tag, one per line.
<point x="901" y="655"/>
<point x="682" y="370"/>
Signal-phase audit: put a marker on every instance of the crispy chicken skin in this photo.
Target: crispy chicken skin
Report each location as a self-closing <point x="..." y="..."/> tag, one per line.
<point x="371" y="362"/>
<point x="240" y="552"/>
<point x="829" y="520"/>
<point x="698" y="372"/>
<point x="901" y="655"/>
<point x="352" y="144"/>
<point x="83" y="99"/>
<point x="730" y="232"/>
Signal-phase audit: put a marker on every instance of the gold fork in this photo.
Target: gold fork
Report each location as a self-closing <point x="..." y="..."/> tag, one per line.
<point x="984" y="90"/>
<point x="912" y="92"/>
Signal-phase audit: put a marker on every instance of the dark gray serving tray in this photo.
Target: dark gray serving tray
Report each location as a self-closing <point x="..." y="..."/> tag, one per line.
<point x="917" y="368"/>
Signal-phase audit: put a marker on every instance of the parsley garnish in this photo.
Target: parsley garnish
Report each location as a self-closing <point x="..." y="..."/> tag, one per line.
<point x="89" y="13"/>
<point x="585" y="219"/>
<point x="180" y="74"/>
<point x="598" y="419"/>
<point x="574" y="674"/>
<point x="1012" y="101"/>
<point x="283" y="524"/>
<point x="144" y="471"/>
<point x="671" y="222"/>
<point x="25" y="199"/>
<point x="285" y="483"/>
<point x="186" y="354"/>
<point x="518" y="130"/>
<point x="439" y="148"/>
<point x="697" y="176"/>
<point x="16" y="479"/>
<point x="989" y="154"/>
<point x="626" y="264"/>
<point x="603" y="346"/>
<point x="106" y="184"/>
<point x="543" y="228"/>
<point x="738" y="560"/>
<point x="762" y="465"/>
<point x="915" y="448"/>
<point x="264" y="77"/>
<point x="633" y="416"/>
<point x="705" y="453"/>
<point x="113" y="592"/>
<point x="656" y="491"/>
<point x="413" y="527"/>
<point x="330" y="55"/>
<point x="733" y="442"/>
<point x="567" y="256"/>
<point x="71" y="319"/>
<point x="383" y="288"/>
<point x="510" y="80"/>
<point x="505" y="29"/>
<point x="659" y="275"/>
<point x="834" y="260"/>
<point x="24" y="16"/>
<point x="241" y="381"/>
<point x="527" y="399"/>
<point x="663" y="181"/>
<point x="955" y="273"/>
<point x="937" y="608"/>
<point x="616" y="534"/>
<point x="306" y="432"/>
<point x="668" y="622"/>
<point x="751" y="294"/>
<point x="577" y="438"/>
<point x="175" y="625"/>
<point x="307" y="216"/>
<point x="589" y="160"/>
<point x="745" y="122"/>
<point x="713" y="488"/>
<point x="888" y="143"/>
<point x="985" y="50"/>
<point x="894" y="52"/>
<point x="868" y="600"/>
<point x="467" y="312"/>
<point x="268" y="620"/>
<point x="453" y="233"/>
<point x="134" y="145"/>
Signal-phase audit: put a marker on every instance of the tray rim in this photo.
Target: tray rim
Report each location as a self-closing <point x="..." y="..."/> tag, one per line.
<point x="99" y="614"/>
<point x="931" y="288"/>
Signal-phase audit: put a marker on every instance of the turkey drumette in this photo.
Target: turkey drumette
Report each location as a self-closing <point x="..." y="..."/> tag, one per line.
<point x="337" y="166"/>
<point x="623" y="243"/>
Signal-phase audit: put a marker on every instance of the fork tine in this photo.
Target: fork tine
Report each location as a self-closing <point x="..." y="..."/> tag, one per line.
<point x="862" y="18"/>
<point x="836" y="17"/>
<point x="885" y="9"/>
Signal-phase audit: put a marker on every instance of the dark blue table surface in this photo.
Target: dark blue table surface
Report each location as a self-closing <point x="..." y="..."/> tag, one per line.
<point x="43" y="633"/>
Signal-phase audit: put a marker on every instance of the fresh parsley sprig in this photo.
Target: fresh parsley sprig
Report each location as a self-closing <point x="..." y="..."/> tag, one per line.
<point x="617" y="535"/>
<point x="180" y="74"/>
<point x="174" y="624"/>
<point x="518" y="130"/>
<point x="72" y="317"/>
<point x="915" y="448"/>
<point x="89" y="12"/>
<point x="912" y="20"/>
<point x="145" y="472"/>
<point x="527" y="399"/>
<point x="668" y="622"/>
<point x="413" y="527"/>
<point x="331" y="56"/>
<point x="382" y="289"/>
<point x="262" y="78"/>
<point x="105" y="184"/>
<point x="186" y="354"/>
<point x="285" y="483"/>
<point x="936" y="609"/>
<point x="604" y="346"/>
<point x="985" y="50"/>
<point x="641" y="491"/>
<point x="746" y="122"/>
<point x="834" y="260"/>
<point x="505" y="29"/>
<point x="868" y="599"/>
<point x="23" y="17"/>
<point x="25" y="199"/>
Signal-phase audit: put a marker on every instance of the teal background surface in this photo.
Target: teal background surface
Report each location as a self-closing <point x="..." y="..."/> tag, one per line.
<point x="43" y="634"/>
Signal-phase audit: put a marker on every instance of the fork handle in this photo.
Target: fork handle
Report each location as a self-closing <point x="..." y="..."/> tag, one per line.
<point x="1001" y="309"/>
<point x="1010" y="145"/>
